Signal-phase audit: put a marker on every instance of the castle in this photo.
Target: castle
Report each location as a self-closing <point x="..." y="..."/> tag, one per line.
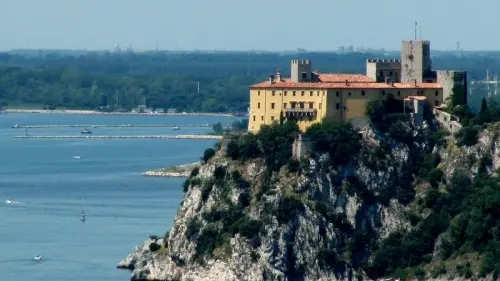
<point x="309" y="97"/>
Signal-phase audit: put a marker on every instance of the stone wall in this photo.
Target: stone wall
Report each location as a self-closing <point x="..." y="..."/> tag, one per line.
<point x="301" y="147"/>
<point x="447" y="121"/>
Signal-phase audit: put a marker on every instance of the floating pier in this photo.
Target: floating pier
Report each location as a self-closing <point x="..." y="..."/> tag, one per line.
<point x="116" y="126"/>
<point x="197" y="137"/>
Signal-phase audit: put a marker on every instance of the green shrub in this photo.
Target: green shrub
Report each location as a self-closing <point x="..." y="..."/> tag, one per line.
<point x="244" y="199"/>
<point x="209" y="153"/>
<point x="288" y="207"/>
<point x="185" y="185"/>
<point x="467" y="136"/>
<point x="254" y="256"/>
<point x="327" y="258"/>
<point x="153" y="247"/>
<point x="233" y="150"/>
<point x="193" y="227"/>
<point x="419" y="273"/>
<point x="438" y="270"/>
<point x="341" y="142"/>
<point x="207" y="187"/>
<point x="293" y="165"/>
<point x="464" y="270"/>
<point x="195" y="172"/>
<point x="208" y="240"/>
<point x="219" y="172"/>
<point x="247" y="227"/>
<point x="435" y="177"/>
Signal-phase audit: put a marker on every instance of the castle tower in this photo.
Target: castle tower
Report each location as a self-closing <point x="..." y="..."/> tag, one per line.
<point x="415" y="60"/>
<point x="301" y="70"/>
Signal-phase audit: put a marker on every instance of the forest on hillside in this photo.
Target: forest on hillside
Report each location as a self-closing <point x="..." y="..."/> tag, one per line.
<point x="170" y="79"/>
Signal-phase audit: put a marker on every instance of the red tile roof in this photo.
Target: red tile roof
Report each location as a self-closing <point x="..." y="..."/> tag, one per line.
<point x="356" y="82"/>
<point x="339" y="77"/>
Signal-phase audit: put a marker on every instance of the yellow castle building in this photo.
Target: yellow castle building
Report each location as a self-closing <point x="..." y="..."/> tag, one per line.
<point x="309" y="97"/>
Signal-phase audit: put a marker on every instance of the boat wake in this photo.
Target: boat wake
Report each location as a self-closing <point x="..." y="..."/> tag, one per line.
<point x="12" y="202"/>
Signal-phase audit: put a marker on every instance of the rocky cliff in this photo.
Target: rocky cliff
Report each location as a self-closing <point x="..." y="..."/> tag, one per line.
<point x="305" y="221"/>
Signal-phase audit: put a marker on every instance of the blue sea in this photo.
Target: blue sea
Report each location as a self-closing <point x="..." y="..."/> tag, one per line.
<point x="50" y="189"/>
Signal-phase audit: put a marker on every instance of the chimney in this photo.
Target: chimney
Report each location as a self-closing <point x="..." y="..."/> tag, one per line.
<point x="278" y="75"/>
<point x="415" y="82"/>
<point x="347" y="82"/>
<point x="387" y="80"/>
<point x="271" y="79"/>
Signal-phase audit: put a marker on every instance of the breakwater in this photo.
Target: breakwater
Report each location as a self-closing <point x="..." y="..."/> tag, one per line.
<point x="92" y="112"/>
<point x="115" y="126"/>
<point x="201" y="137"/>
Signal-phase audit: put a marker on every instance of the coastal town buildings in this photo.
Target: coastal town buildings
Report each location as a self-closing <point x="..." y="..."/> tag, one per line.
<point x="309" y="97"/>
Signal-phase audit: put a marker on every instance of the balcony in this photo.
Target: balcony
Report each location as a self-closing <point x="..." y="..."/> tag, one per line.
<point x="300" y="113"/>
<point x="301" y="110"/>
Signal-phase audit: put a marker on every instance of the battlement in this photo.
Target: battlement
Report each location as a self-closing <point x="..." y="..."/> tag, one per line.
<point x="383" y="60"/>
<point x="424" y="42"/>
<point x="301" y="61"/>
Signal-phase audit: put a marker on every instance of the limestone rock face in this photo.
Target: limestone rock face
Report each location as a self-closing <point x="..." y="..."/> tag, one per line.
<point x="287" y="248"/>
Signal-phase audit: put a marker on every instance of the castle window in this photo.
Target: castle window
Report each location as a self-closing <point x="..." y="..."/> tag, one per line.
<point x="337" y="106"/>
<point x="318" y="93"/>
<point x="293" y="104"/>
<point x="284" y="105"/>
<point x="254" y="118"/>
<point x="284" y="93"/>
<point x="302" y="105"/>
<point x="319" y="105"/>
<point x="311" y="93"/>
<point x="337" y="94"/>
<point x="390" y="73"/>
<point x="363" y="93"/>
<point x="272" y="105"/>
<point x="436" y="102"/>
<point x="302" y="93"/>
<point x="383" y="93"/>
<point x="311" y="105"/>
<point x="258" y="93"/>
<point x="437" y="93"/>
<point x="293" y="93"/>
<point x="272" y="118"/>
<point x="274" y="93"/>
<point x="349" y="94"/>
<point x="381" y="73"/>
<point x="399" y="93"/>
<point x="262" y="118"/>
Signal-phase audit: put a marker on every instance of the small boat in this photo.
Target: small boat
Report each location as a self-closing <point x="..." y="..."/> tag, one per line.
<point x="15" y="126"/>
<point x="83" y="217"/>
<point x="86" y="132"/>
<point x="38" y="258"/>
<point x="76" y="157"/>
<point x="175" y="128"/>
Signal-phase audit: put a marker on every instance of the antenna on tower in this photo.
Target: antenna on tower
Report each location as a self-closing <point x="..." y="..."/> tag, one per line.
<point x="416" y="24"/>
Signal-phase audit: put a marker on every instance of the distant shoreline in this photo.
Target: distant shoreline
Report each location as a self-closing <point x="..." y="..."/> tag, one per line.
<point x="93" y="112"/>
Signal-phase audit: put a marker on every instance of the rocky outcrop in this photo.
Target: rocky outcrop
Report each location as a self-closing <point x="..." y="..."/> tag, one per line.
<point x="303" y="215"/>
<point x="180" y="171"/>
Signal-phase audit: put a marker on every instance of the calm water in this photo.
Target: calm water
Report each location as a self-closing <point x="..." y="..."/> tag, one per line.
<point x="123" y="208"/>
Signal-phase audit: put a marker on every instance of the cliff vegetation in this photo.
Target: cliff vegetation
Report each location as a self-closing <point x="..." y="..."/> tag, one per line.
<point x="396" y="199"/>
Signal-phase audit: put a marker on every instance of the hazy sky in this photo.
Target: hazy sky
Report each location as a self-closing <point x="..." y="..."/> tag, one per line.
<point x="246" y="24"/>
